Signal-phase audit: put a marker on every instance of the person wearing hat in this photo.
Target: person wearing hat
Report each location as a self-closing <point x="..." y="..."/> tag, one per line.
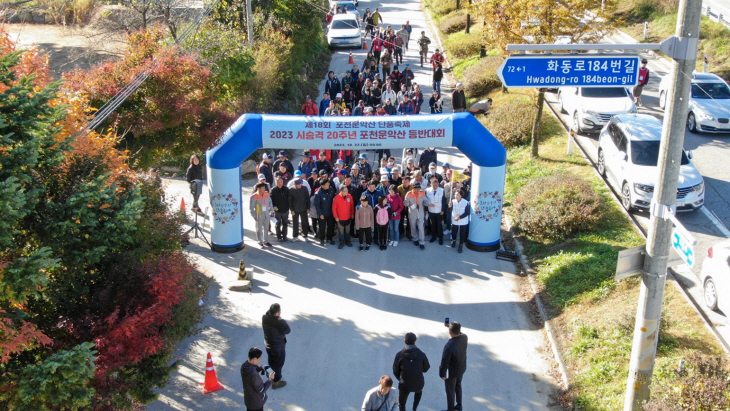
<point x="379" y="110"/>
<point x="348" y="98"/>
<point x="433" y="173"/>
<point x="321" y="176"/>
<point x="416" y="203"/>
<point x="261" y="178"/>
<point x="364" y="223"/>
<point x="368" y="111"/>
<point x="262" y="210"/>
<point x="348" y="79"/>
<point x="358" y="110"/>
<point x="343" y="210"/>
<point x="355" y="173"/>
<point x="339" y="177"/>
<point x="373" y="194"/>
<point x="309" y="108"/>
<point x="406" y="155"/>
<point x="298" y="175"/>
<point x="643" y="81"/>
<point x="365" y="168"/>
<point x="323" y="199"/>
<point x="332" y="86"/>
<point x="280" y="203"/>
<point x="283" y="160"/>
<point x="423" y="43"/>
<point x="428" y="156"/>
<point x="437" y="59"/>
<point x="299" y="204"/>
<point x="339" y="103"/>
<point x="408" y="367"/>
<point x="384" y="183"/>
<point x="306" y="165"/>
<point x="264" y="169"/>
<point x="395" y="178"/>
<point x="376" y="92"/>
<point x="388" y="94"/>
<point x="396" y="77"/>
<point x="406" y="107"/>
<point x="322" y="164"/>
<point x="458" y="99"/>
<point x="355" y="74"/>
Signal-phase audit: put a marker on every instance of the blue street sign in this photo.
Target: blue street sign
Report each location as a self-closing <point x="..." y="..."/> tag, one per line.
<point x="531" y="71"/>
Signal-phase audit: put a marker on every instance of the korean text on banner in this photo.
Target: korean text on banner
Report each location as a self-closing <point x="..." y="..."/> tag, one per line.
<point x="367" y="132"/>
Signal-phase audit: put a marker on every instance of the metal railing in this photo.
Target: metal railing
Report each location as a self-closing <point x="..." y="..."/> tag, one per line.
<point x="718" y="17"/>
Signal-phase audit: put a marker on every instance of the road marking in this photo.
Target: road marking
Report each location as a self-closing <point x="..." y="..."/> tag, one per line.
<point x="720" y="226"/>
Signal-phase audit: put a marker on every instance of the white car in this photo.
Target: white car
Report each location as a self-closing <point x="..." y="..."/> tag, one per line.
<point x="351" y="8"/>
<point x="333" y="3"/>
<point x="709" y="105"/>
<point x="344" y="31"/>
<point x="715" y="277"/>
<point x="590" y="108"/>
<point x="628" y="153"/>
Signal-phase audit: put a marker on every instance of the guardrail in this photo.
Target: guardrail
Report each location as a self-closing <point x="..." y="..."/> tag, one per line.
<point x="718" y="17"/>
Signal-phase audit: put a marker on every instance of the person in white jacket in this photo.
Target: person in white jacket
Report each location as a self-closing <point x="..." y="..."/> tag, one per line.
<point x="460" y="213"/>
<point x="383" y="397"/>
<point x="436" y="209"/>
<point x="389" y="93"/>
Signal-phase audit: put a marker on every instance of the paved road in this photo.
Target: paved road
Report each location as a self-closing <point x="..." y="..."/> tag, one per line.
<point x="709" y="224"/>
<point x="349" y="310"/>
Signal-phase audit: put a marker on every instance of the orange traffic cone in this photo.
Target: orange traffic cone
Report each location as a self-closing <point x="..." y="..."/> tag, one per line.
<point x="351" y="61"/>
<point x="365" y="45"/>
<point x="182" y="204"/>
<point x="211" y="383"/>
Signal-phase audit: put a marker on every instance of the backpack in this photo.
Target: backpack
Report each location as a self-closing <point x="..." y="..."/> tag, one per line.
<point x="382" y="217"/>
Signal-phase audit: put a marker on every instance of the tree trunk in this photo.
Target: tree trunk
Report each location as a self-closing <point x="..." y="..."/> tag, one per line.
<point x="538" y="122"/>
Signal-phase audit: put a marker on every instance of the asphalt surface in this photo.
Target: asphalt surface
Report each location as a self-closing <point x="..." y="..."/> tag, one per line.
<point x="349" y="310"/>
<point x="709" y="224"/>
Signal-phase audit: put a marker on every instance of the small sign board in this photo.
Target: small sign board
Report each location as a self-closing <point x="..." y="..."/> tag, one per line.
<point x="584" y="70"/>
<point x="630" y="262"/>
<point x="683" y="242"/>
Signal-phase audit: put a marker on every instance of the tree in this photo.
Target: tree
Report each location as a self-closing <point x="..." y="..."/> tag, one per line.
<point x="542" y="22"/>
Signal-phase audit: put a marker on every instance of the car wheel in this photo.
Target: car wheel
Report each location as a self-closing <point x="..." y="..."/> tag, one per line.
<point x="710" y="293"/>
<point x="692" y="123"/>
<point x="663" y="100"/>
<point x="626" y="197"/>
<point x="601" y="163"/>
<point x="576" y="124"/>
<point x="562" y="106"/>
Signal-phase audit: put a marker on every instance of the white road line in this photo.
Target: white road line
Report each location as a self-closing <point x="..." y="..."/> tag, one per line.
<point x="720" y="226"/>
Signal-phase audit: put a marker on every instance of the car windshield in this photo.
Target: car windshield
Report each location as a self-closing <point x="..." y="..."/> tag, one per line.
<point x="601" y="92"/>
<point x="350" y="6"/>
<point x="710" y="91"/>
<point x="344" y="24"/>
<point x="646" y="153"/>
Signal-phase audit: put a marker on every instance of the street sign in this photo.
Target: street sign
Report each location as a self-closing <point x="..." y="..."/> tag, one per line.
<point x="587" y="70"/>
<point x="683" y="242"/>
<point x="630" y="262"/>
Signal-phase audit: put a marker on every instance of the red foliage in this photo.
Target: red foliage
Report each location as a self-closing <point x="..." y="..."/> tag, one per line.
<point x="32" y="62"/>
<point x="14" y="340"/>
<point x="128" y="340"/>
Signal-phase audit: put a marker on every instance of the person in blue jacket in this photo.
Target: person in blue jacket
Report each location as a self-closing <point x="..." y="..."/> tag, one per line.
<point x="306" y="166"/>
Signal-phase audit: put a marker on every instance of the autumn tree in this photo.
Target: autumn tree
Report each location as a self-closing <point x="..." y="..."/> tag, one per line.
<point x="542" y="22"/>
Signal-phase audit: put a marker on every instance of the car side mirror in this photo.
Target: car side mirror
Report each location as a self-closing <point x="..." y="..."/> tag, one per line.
<point x="624" y="156"/>
<point x="690" y="154"/>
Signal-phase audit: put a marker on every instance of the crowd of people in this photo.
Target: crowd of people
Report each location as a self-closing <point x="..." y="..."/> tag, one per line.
<point x="409" y="365"/>
<point x="338" y="195"/>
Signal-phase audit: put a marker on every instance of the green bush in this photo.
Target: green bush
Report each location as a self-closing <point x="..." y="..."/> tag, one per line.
<point x="457" y="22"/>
<point x="481" y="78"/>
<point x="511" y="122"/>
<point x="462" y="45"/>
<point x="557" y="206"/>
<point x="442" y="7"/>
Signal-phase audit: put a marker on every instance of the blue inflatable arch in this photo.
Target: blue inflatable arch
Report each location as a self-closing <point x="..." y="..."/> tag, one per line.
<point x="253" y="131"/>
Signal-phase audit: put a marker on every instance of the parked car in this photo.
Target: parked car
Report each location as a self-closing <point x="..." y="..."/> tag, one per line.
<point x="351" y="7"/>
<point x="590" y="108"/>
<point x="344" y="31"/>
<point x="628" y="153"/>
<point x="715" y="277"/>
<point x="709" y="103"/>
<point x="333" y="3"/>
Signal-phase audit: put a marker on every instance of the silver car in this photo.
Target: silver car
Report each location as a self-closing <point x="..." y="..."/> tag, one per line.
<point x="709" y="105"/>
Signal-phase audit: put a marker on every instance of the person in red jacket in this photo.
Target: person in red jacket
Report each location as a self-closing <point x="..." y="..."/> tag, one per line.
<point x="437" y="59"/>
<point x="377" y="48"/>
<point x="309" y="108"/>
<point x="343" y="209"/>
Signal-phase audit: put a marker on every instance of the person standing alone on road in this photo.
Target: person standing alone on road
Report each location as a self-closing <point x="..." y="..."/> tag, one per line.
<point x="254" y="388"/>
<point x="194" y="175"/>
<point x="458" y="99"/>
<point x="409" y="365"/>
<point x="381" y="398"/>
<point x="643" y="81"/>
<point x="275" y="331"/>
<point x="453" y="365"/>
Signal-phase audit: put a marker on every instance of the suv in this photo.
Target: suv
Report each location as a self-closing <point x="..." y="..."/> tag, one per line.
<point x="709" y="103"/>
<point x="592" y="107"/>
<point x="628" y="152"/>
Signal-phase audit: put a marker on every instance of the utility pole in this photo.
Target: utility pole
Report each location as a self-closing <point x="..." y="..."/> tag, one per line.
<point x="249" y="22"/>
<point x="653" y="279"/>
<point x="468" y="18"/>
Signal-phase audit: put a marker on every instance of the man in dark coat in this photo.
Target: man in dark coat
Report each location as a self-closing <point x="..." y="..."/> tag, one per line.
<point x="428" y="156"/>
<point x="275" y="331"/>
<point x="254" y="388"/>
<point x="265" y="169"/>
<point x="280" y="200"/>
<point x="299" y="204"/>
<point x="333" y="85"/>
<point x="284" y="160"/>
<point x="323" y="203"/>
<point x="458" y="99"/>
<point x="323" y="164"/>
<point x="453" y="360"/>
<point x="408" y="367"/>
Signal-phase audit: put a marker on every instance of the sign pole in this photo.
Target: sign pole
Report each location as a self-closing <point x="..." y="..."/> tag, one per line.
<point x="646" y="330"/>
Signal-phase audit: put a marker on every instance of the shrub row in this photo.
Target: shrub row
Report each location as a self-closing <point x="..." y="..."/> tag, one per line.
<point x="511" y="122"/>
<point x="481" y="78"/>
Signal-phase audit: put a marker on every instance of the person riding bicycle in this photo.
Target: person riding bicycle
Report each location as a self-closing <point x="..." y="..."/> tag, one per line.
<point x="423" y="43"/>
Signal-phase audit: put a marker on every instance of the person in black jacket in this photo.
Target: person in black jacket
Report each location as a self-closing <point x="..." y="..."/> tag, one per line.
<point x="254" y="388"/>
<point x="458" y="99"/>
<point x="194" y="175"/>
<point x="453" y="360"/>
<point x="332" y="86"/>
<point x="284" y="160"/>
<point x="408" y="367"/>
<point x="299" y="204"/>
<point x="280" y="200"/>
<point x="265" y="169"/>
<point x="323" y="164"/>
<point x="275" y="331"/>
<point x="428" y="156"/>
<point x="323" y="199"/>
